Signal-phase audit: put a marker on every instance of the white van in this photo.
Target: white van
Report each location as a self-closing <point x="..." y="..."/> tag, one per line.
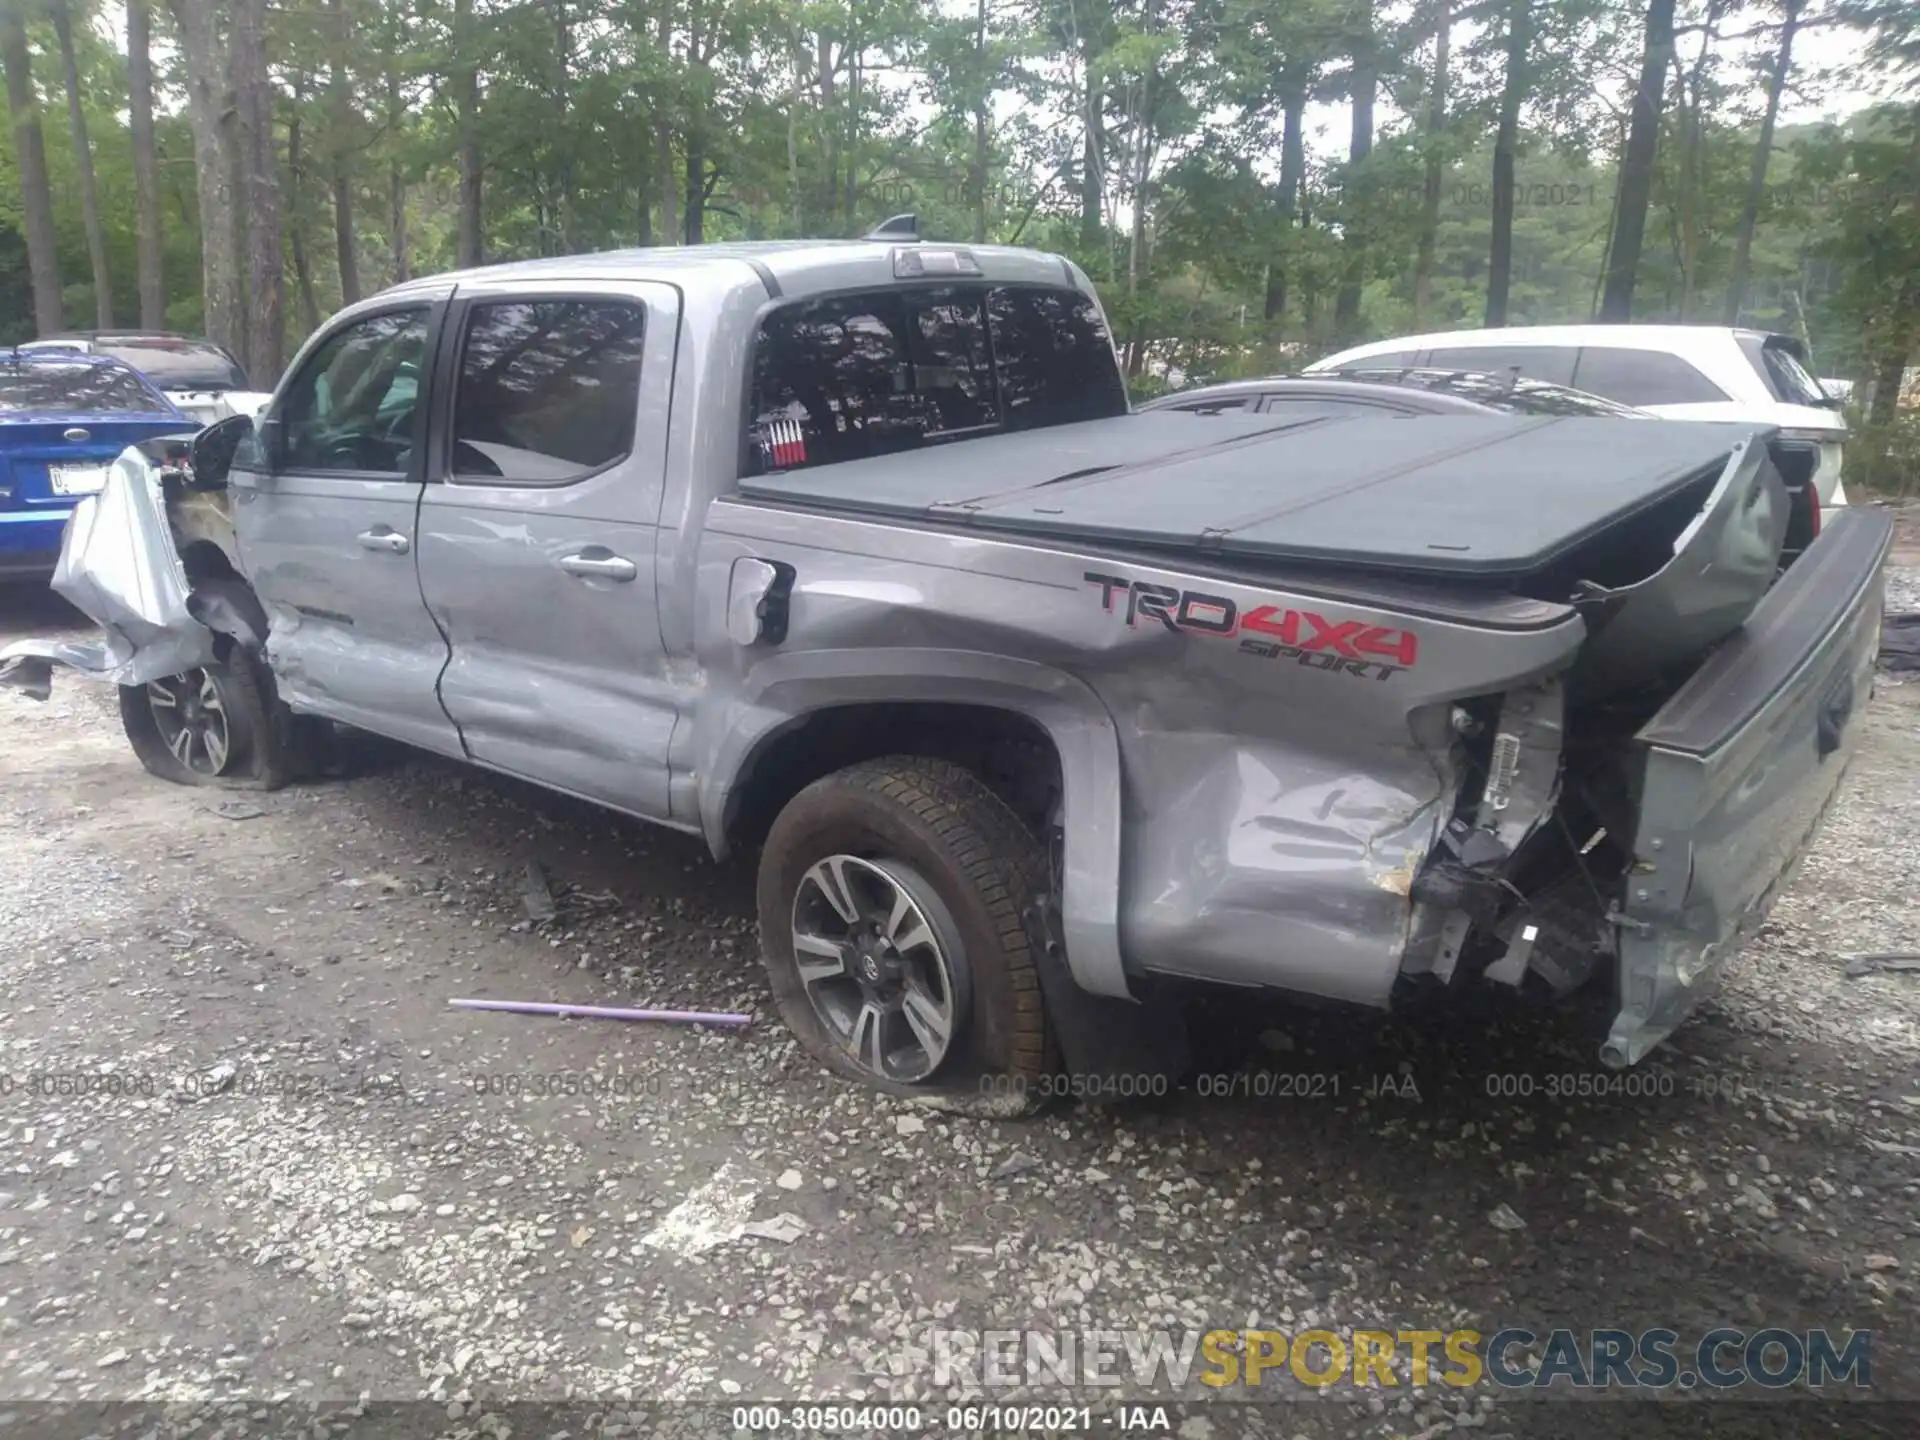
<point x="1678" y="372"/>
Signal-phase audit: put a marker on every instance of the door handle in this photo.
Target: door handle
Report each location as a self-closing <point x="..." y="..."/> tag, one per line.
<point x="599" y="564"/>
<point x="383" y="538"/>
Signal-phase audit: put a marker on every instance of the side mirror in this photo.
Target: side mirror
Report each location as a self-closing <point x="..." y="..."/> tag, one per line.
<point x="211" y="453"/>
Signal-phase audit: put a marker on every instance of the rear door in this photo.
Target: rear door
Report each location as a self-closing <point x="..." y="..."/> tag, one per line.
<point x="324" y="513"/>
<point x="538" y="529"/>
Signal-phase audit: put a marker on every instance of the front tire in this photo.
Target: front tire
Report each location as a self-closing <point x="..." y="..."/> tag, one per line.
<point x="891" y="899"/>
<point x="221" y="725"/>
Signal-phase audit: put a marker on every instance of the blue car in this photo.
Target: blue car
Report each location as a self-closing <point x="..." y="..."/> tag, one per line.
<point x="64" y="418"/>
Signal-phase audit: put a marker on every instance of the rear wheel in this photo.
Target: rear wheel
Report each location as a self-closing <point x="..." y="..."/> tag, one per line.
<point x="892" y="897"/>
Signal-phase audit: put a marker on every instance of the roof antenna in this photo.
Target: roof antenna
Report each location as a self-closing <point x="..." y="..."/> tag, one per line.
<point x="898" y="227"/>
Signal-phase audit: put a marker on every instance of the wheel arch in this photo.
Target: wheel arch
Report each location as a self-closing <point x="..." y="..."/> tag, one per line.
<point x="804" y="715"/>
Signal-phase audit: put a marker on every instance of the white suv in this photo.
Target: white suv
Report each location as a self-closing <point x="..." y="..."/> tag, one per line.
<point x="1679" y="372"/>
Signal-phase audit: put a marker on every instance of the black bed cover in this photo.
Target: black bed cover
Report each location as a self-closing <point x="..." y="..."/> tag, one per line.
<point x="1491" y="496"/>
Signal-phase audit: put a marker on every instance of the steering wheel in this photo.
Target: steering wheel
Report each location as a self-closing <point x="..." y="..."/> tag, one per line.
<point x="343" y="452"/>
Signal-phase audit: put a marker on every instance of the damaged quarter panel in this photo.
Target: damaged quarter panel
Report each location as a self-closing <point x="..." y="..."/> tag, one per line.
<point x="1284" y="751"/>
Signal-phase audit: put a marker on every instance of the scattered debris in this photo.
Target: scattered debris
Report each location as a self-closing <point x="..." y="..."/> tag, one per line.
<point x="1859" y="965"/>
<point x="1502" y="1217"/>
<point x="605" y="1012"/>
<point x="1881" y="1262"/>
<point x="783" y="1228"/>
<point x="537" y="894"/>
<point x="238" y="810"/>
<point x="909" y="1125"/>
<point x="711" y="1215"/>
<point x="1018" y="1163"/>
<point x="1887" y="1147"/>
<point x="790" y="1180"/>
<point x="1900" y="642"/>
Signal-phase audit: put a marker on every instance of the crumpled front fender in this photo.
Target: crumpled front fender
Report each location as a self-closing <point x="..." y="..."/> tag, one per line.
<point x="119" y="567"/>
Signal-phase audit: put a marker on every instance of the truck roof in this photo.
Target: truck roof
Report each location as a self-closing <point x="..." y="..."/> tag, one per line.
<point x="783" y="267"/>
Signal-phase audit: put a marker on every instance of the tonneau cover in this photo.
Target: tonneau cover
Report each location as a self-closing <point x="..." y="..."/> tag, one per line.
<point x="1492" y="496"/>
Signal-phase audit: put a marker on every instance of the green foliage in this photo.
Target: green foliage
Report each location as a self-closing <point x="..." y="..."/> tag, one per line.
<point x="602" y="123"/>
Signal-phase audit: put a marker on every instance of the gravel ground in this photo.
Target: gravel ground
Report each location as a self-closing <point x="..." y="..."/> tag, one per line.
<point x="313" y="1184"/>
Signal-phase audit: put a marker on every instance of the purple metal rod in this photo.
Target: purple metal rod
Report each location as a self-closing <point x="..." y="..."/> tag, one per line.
<point x="606" y="1012"/>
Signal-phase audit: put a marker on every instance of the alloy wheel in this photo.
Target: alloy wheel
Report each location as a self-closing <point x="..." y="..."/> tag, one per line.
<point x="882" y="966"/>
<point x="192" y="720"/>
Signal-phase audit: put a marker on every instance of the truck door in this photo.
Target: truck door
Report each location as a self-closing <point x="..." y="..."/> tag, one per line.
<point x="537" y="532"/>
<point x="324" y="511"/>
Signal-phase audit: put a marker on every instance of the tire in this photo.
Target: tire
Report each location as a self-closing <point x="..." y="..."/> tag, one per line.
<point x="261" y="746"/>
<point x="969" y="871"/>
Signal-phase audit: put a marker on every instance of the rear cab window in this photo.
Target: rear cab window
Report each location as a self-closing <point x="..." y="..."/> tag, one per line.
<point x="877" y="372"/>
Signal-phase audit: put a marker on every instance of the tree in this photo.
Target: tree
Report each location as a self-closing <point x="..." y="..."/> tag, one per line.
<point x="260" y="193"/>
<point x="1434" y="170"/>
<point x="1636" y="166"/>
<point x="341" y="145"/>
<point x="1793" y="11"/>
<point x="213" y="116"/>
<point x="1513" y="90"/>
<point x="146" y="165"/>
<point x="466" y="97"/>
<point x="83" y="161"/>
<point x="1362" y="88"/>
<point x="30" y="152"/>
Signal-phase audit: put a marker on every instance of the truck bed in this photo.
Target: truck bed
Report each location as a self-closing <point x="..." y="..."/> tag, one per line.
<point x="1459" y="496"/>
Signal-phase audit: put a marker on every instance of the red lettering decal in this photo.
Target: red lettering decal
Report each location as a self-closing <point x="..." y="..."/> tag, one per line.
<point x="1402" y="646"/>
<point x="1331" y="636"/>
<point x="1261" y="620"/>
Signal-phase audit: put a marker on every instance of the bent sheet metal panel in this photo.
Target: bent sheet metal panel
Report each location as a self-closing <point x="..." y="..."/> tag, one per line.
<point x="119" y="567"/>
<point x="1273" y="807"/>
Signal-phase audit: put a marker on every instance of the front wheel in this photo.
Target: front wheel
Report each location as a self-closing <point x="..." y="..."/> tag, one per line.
<point x="891" y="900"/>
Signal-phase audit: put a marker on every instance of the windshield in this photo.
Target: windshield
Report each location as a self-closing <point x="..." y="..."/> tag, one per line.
<point x="178" y="364"/>
<point x="1503" y="392"/>
<point x="53" y="387"/>
<point x="881" y="371"/>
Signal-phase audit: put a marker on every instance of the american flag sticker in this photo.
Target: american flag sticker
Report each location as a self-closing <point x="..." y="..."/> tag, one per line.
<point x="784" y="442"/>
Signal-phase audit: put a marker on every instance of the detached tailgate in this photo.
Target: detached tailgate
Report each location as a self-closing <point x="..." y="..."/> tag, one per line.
<point x="1736" y="772"/>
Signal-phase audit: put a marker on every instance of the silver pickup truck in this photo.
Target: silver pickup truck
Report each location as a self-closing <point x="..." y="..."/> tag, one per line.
<point x="1033" y="706"/>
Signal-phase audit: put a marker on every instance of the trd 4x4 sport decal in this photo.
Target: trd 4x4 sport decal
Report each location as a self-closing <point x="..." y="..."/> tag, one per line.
<point x="1347" y="647"/>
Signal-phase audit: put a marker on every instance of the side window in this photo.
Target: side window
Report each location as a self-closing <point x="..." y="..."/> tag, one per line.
<point x="351" y="408"/>
<point x="1643" y="377"/>
<point x="1232" y="405"/>
<point x="1552" y="363"/>
<point x="548" y="391"/>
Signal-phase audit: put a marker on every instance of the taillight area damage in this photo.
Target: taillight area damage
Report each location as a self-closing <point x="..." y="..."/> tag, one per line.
<point x="1631" y="819"/>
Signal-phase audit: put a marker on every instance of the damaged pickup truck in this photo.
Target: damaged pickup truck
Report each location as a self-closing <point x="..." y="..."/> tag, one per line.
<point x="854" y="553"/>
